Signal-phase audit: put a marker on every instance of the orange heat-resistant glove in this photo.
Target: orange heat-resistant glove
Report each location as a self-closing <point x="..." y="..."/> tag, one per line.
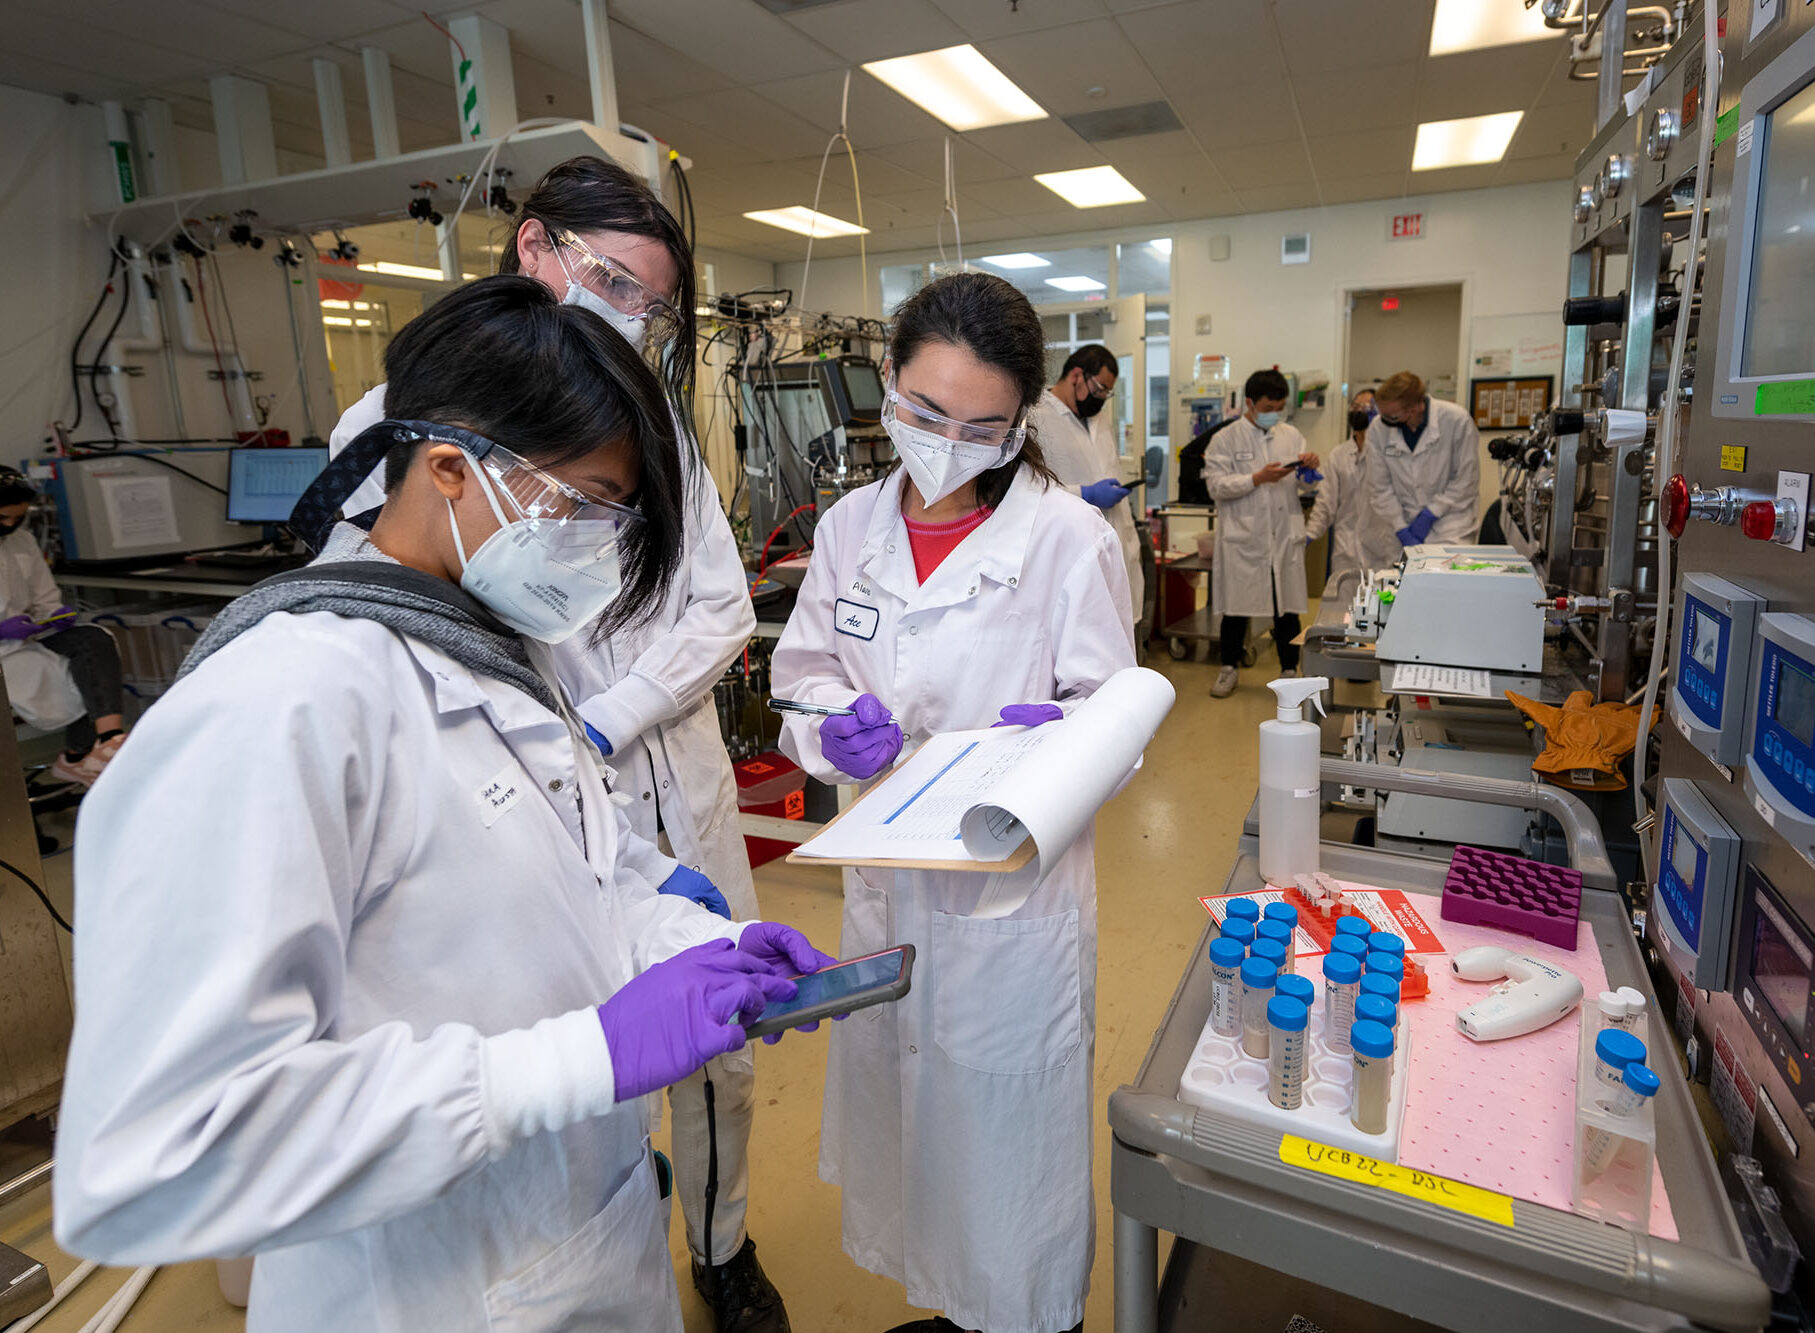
<point x="1584" y="742"/>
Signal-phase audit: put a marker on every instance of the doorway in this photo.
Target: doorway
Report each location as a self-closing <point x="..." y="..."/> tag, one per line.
<point x="1404" y="328"/>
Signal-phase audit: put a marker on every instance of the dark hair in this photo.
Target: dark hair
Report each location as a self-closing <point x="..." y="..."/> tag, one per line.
<point x="15" y="489"/>
<point x="993" y="321"/>
<point x="1265" y="384"/>
<point x="502" y="357"/>
<point x="1092" y="359"/>
<point x="592" y="194"/>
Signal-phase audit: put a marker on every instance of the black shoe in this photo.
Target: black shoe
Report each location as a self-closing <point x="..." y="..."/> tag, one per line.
<point x="937" y="1324"/>
<point x="740" y="1295"/>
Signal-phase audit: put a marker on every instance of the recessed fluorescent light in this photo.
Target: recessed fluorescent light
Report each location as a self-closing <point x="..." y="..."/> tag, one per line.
<point x="1470" y="25"/>
<point x="959" y="86"/>
<point x="340" y="321"/>
<point x="1019" y="260"/>
<point x="336" y="305"/>
<point x="1461" y="143"/>
<point x="805" y="221"/>
<point x="1161" y="246"/>
<point x="1077" y="284"/>
<point x="391" y="270"/>
<point x="1091" y="187"/>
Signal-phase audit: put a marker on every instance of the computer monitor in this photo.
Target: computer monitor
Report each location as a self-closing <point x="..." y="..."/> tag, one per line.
<point x="853" y="390"/>
<point x="263" y="485"/>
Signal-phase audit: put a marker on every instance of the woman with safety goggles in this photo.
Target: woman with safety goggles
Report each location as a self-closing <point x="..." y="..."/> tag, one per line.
<point x="966" y="589"/>
<point x="393" y="1028"/>
<point x="596" y="237"/>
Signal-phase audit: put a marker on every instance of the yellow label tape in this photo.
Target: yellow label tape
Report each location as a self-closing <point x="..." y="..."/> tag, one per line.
<point x="1362" y="1169"/>
<point x="1733" y="458"/>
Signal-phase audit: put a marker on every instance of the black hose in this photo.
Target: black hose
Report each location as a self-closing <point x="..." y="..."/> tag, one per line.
<point x="711" y="1161"/>
<point x="55" y="915"/>
<point x="94" y="366"/>
<point x="75" y="348"/>
<point x="180" y="471"/>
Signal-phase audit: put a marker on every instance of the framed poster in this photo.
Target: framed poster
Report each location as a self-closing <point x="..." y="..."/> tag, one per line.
<point x="1510" y="403"/>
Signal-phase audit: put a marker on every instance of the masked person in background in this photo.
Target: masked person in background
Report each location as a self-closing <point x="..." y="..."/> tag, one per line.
<point x="1423" y="465"/>
<point x="383" y="1005"/>
<point x="962" y="590"/>
<point x="58" y="673"/>
<point x="596" y="237"/>
<point x="1360" y="540"/>
<point x="1251" y="469"/>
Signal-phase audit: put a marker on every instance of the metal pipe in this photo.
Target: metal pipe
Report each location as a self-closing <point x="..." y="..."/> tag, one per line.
<point x="1613" y="63"/>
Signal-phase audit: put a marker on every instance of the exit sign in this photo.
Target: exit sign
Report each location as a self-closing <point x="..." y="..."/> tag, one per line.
<point x="1406" y="227"/>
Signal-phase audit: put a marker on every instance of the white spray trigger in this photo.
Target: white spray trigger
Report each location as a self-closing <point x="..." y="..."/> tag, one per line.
<point x="1293" y="693"/>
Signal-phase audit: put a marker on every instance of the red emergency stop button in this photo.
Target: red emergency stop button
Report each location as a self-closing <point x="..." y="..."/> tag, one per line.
<point x="1675" y="503"/>
<point x="1758" y="520"/>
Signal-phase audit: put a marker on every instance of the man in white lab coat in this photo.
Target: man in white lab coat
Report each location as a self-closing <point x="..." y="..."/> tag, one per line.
<point x="1080" y="448"/>
<point x="1423" y="465"/>
<point x="1252" y="470"/>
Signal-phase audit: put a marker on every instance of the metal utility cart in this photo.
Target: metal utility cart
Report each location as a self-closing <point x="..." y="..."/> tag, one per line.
<point x="1377" y="1259"/>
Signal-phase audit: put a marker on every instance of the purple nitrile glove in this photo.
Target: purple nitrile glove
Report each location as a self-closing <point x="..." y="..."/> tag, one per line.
<point x="674" y="1016"/>
<point x="1309" y="475"/>
<point x="1414" y="533"/>
<point x="1028" y="715"/>
<point x="1105" y="493"/>
<point x="688" y="883"/>
<point x="787" y="952"/>
<point x="598" y="739"/>
<point x="19" y="627"/>
<point x="863" y="744"/>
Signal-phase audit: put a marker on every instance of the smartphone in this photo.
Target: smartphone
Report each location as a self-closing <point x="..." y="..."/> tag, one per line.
<point x="839" y="988"/>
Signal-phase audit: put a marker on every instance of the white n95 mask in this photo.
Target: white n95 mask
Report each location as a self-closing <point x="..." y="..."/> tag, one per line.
<point x="939" y="466"/>
<point x="543" y="577"/>
<point x="631" y="327"/>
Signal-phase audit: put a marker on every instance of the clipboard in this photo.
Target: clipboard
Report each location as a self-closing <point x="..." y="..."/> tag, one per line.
<point x="1016" y="860"/>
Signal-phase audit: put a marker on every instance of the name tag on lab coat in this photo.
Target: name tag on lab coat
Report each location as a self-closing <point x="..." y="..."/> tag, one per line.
<point x="498" y="796"/>
<point x="855" y="619"/>
<point x="1244" y="455"/>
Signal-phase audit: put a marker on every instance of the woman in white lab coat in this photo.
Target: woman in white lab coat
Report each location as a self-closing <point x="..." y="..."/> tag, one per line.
<point x="963" y="589"/>
<point x="1423" y="465"/>
<point x="380" y="1002"/>
<point x="1360" y="539"/>
<point x="595" y="235"/>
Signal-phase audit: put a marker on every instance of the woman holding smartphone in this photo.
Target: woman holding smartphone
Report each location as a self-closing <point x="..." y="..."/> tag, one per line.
<point x="963" y="590"/>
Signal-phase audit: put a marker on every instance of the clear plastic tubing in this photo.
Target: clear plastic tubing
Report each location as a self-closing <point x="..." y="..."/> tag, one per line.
<point x="1352" y="945"/>
<point x="1287" y="1020"/>
<point x="1258" y="979"/>
<point x="1273" y="952"/>
<point x="1384" y="941"/>
<point x="1295" y="987"/>
<point x="1614" y="1049"/>
<point x="1242" y="932"/>
<point x="1358" y="926"/>
<point x="1272" y="928"/>
<point x="1226" y="956"/>
<point x="1378" y="983"/>
<point x="1341" y="988"/>
<point x="1242" y="909"/>
<point x="1638" y="1085"/>
<point x="1385" y="965"/>
<point x="1280" y="912"/>
<point x="1373" y="1047"/>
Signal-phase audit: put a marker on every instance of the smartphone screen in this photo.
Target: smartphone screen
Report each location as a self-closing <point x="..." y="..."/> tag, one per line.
<point x="840" y="981"/>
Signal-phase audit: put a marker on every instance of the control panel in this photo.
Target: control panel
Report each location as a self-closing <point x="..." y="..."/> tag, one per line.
<point x="1780" y="759"/>
<point x="1692" y="903"/>
<point x="1775" y="983"/>
<point x="1717" y="621"/>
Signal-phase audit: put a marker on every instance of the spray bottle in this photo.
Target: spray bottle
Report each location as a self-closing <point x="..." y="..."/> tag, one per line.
<point x="1290" y="790"/>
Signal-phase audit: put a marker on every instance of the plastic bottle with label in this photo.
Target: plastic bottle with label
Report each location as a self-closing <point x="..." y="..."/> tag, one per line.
<point x="1290" y="790"/>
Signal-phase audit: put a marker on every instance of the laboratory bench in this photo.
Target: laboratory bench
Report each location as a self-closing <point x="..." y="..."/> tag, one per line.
<point x="1259" y="1241"/>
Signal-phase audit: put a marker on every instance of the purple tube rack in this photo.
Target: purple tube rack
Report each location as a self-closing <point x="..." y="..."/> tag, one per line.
<point x="1510" y="893"/>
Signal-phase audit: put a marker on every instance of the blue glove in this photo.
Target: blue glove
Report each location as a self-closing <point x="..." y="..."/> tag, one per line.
<point x="1104" y="493"/>
<point x="688" y="883"/>
<point x="19" y="627"/>
<point x="1309" y="475"/>
<point x="785" y="950"/>
<point x="863" y="744"/>
<point x="671" y="1018"/>
<point x="604" y="748"/>
<point x="1028" y="715"/>
<point x="1414" y="533"/>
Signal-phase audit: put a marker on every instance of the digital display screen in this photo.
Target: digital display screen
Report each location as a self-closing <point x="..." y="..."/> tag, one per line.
<point x="1794" y="709"/>
<point x="263" y="485"/>
<point x="1704" y="647"/>
<point x="1682" y="855"/>
<point x="1782" y="976"/>
<point x="1779" y="337"/>
<point x="865" y="386"/>
<point x="839" y="982"/>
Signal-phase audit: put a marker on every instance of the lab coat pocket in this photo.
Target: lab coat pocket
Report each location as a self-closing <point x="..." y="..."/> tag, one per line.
<point x="613" y="1273"/>
<point x="1006" y="996"/>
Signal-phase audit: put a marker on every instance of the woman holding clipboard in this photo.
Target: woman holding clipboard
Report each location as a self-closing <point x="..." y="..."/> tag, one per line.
<point x="963" y="590"/>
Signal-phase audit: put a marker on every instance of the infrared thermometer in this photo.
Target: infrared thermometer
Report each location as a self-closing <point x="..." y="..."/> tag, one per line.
<point x="1533" y="995"/>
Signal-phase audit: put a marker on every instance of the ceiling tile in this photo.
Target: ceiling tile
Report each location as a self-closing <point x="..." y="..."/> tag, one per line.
<point x="1352" y="189"/>
<point x="927" y="159"/>
<point x="648" y="69"/>
<point x="860" y="30"/>
<point x="1229" y="115"/>
<point x="734" y="38"/>
<point x="1146" y="147"/>
<point x="322" y="20"/>
<point x="1039" y="145"/>
<point x="1272" y="198"/>
<point x="1325" y="37"/>
<point x="1451" y="178"/>
<point x="1058" y="66"/>
<point x="879" y="176"/>
<point x="1016" y="196"/>
<point x="876" y="115"/>
<point x="1368" y="152"/>
<point x="1558" y="166"/>
<point x="743" y="117"/>
<point x="981" y="19"/>
<point x="1265" y="166"/>
<point x="1341" y="101"/>
<point x="1180" y="177"/>
<point x="1476" y="83"/>
<point x="1550" y="130"/>
<point x="1201" y="44"/>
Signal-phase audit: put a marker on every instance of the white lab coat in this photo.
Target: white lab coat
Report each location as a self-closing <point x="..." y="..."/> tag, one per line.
<point x="958" y="1121"/>
<point x="336" y="999"/>
<point x="1360" y="539"/>
<point x="649" y="690"/>
<point x="1081" y="452"/>
<point x="1443" y="474"/>
<point x="38" y="682"/>
<point x="1259" y="533"/>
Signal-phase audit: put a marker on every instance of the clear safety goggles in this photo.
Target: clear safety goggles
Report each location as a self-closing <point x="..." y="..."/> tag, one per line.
<point x="617" y="286"/>
<point x="912" y="415"/>
<point x="534" y="493"/>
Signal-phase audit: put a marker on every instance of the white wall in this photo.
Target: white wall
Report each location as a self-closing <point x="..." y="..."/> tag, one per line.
<point x="1423" y="335"/>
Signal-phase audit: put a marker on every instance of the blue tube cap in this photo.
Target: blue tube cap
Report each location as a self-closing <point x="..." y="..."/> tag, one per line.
<point x="1353" y="945"/>
<point x="1354" y="925"/>
<point x="1225" y="952"/>
<point x="1287" y="1014"/>
<point x="1378" y="983"/>
<point x="1371" y="1039"/>
<point x="1637" y="1077"/>
<point x="1272" y="928"/>
<point x="1377" y="1009"/>
<point x="1272" y="950"/>
<point x="1259" y="974"/>
<point x="1242" y="932"/>
<point x="1384" y="941"/>
<point x="1242" y="909"/>
<point x="1619" y="1048"/>
<point x="1280" y="912"/>
<point x="1302" y="989"/>
<point x="1342" y="968"/>
<point x="1386" y="964"/>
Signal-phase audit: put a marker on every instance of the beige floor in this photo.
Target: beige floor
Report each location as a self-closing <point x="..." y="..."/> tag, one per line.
<point x="1166" y="839"/>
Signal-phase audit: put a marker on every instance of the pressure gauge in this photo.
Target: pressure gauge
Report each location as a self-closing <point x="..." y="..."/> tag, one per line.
<point x="1695" y="898"/>
<point x="1584" y="204"/>
<point x="1660" y="134"/>
<point x="1614" y="174"/>
<point x="1597" y="189"/>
